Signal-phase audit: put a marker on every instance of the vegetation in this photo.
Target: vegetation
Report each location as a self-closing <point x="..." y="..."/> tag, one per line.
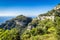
<point x="45" y="30"/>
<point x="40" y="29"/>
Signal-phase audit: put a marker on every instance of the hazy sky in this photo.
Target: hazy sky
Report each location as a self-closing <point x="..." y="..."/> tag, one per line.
<point x="26" y="7"/>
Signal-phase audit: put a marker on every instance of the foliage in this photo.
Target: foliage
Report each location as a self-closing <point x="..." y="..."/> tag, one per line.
<point x="41" y="29"/>
<point x="45" y="30"/>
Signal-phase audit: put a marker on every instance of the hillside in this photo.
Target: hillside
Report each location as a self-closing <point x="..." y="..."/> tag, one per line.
<point x="13" y="22"/>
<point x="44" y="27"/>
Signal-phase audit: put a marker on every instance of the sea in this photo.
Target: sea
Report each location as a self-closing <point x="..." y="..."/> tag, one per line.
<point x="3" y="19"/>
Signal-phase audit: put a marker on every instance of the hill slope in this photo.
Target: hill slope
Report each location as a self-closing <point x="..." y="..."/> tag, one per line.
<point x="26" y="28"/>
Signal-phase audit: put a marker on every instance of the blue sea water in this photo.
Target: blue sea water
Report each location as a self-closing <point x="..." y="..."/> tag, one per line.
<point x="3" y="19"/>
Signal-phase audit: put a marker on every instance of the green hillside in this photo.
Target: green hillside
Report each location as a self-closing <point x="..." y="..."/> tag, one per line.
<point x="26" y="28"/>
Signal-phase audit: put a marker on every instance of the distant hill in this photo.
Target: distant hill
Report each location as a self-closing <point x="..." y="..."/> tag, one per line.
<point x="12" y="23"/>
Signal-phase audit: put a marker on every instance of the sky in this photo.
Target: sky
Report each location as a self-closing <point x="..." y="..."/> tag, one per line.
<point x="26" y="7"/>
